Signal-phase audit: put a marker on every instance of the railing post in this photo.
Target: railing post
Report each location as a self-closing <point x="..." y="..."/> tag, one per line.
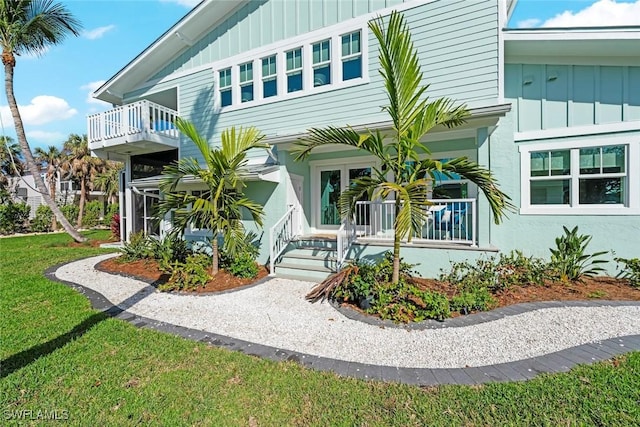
<point x="474" y="241"/>
<point x="272" y="261"/>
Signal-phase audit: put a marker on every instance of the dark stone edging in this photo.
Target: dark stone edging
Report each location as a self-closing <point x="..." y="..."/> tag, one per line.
<point x="520" y="370"/>
<point x="475" y="318"/>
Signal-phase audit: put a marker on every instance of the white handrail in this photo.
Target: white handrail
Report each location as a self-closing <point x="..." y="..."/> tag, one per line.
<point x="344" y="239"/>
<point x="279" y="237"/>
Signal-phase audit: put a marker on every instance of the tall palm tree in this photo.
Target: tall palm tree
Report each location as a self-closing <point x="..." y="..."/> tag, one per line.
<point x="52" y="160"/>
<point x="83" y="167"/>
<point x="403" y="156"/>
<point x="30" y="26"/>
<point x="218" y="208"/>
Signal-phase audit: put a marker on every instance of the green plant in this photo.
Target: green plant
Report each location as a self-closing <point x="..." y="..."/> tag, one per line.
<point x="13" y="216"/>
<point x="597" y="294"/>
<point x="92" y="212"/>
<point x="630" y="270"/>
<point x="112" y="209"/>
<point x="569" y="259"/>
<point x="70" y="212"/>
<point x="41" y="223"/>
<point x="168" y="250"/>
<point x="243" y="266"/>
<point x="139" y="246"/>
<point x="188" y="275"/>
<point x="478" y="299"/>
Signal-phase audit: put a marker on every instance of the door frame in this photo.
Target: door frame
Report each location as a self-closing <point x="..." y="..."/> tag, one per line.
<point x="297" y="201"/>
<point x="342" y="164"/>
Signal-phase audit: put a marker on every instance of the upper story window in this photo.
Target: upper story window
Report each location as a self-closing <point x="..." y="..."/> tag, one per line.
<point x="351" y="56"/>
<point x="246" y="82"/>
<point x="269" y="76"/>
<point x="294" y="70"/>
<point x="582" y="179"/>
<point x="321" y="63"/>
<point x="226" y="96"/>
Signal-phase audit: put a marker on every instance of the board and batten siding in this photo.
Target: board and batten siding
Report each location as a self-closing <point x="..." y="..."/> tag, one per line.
<point x="458" y="48"/>
<point x="560" y="96"/>
<point x="263" y="22"/>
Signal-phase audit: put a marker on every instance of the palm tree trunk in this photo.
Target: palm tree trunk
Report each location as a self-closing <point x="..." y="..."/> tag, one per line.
<point x="83" y="198"/>
<point x="395" y="276"/>
<point x="28" y="157"/>
<point x="52" y="189"/>
<point x="214" y="255"/>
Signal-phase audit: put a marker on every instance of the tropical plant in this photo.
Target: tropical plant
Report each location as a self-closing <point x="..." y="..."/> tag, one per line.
<point x="31" y="26"/>
<point x="10" y="160"/>
<point x="92" y="212"/>
<point x="13" y="216"/>
<point x="569" y="258"/>
<point x="51" y="159"/>
<point x="630" y="270"/>
<point x="109" y="181"/>
<point x="220" y="207"/>
<point x="403" y="157"/>
<point x="83" y="167"/>
<point x="41" y="222"/>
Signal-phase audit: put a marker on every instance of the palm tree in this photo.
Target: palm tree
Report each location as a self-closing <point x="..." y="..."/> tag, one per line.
<point x="109" y="181"/>
<point x="83" y="167"/>
<point x="30" y="26"/>
<point x="403" y="158"/>
<point x="218" y="208"/>
<point x="10" y="160"/>
<point x="52" y="159"/>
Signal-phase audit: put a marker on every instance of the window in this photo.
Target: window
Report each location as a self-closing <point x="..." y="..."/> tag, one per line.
<point x="579" y="176"/>
<point x="294" y="70"/>
<point x="246" y="82"/>
<point x="321" y="63"/>
<point x="351" y="56"/>
<point x="269" y="77"/>
<point x="226" y="97"/>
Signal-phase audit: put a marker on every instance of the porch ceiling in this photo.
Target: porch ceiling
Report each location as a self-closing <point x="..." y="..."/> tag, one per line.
<point x="120" y="148"/>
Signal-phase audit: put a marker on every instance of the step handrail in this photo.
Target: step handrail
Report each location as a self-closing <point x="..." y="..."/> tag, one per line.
<point x="344" y="239"/>
<point x="279" y="237"/>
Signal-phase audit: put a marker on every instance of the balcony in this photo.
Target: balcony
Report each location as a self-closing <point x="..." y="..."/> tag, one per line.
<point x="138" y="128"/>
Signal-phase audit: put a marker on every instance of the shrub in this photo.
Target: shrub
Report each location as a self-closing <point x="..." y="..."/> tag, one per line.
<point x="243" y="266"/>
<point x="569" y="259"/>
<point x="13" y="216"/>
<point x="70" y="212"/>
<point x="112" y="209"/>
<point x="41" y="223"/>
<point x="92" y="212"/>
<point x="406" y="303"/>
<point x="188" y="275"/>
<point x="115" y="226"/>
<point x="630" y="270"/>
<point x="171" y="248"/>
<point x="138" y="247"/>
<point x="478" y="299"/>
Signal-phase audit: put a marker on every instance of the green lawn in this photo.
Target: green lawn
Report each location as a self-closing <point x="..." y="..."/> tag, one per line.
<point x="60" y="355"/>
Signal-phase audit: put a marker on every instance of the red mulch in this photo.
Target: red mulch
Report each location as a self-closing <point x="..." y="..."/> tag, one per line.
<point x="148" y="269"/>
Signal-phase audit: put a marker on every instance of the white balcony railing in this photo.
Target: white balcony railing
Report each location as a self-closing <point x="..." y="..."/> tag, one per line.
<point x="131" y="119"/>
<point x="448" y="220"/>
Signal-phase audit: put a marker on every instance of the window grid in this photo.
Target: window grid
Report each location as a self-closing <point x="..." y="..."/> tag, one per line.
<point x="269" y="76"/>
<point x="294" y="70"/>
<point x="351" y="56"/>
<point x="225" y="87"/>
<point x="246" y="82"/>
<point x="321" y="55"/>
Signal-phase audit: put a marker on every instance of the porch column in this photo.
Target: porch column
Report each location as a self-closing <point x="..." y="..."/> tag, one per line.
<point x="128" y="197"/>
<point x="122" y="184"/>
<point x="484" y="211"/>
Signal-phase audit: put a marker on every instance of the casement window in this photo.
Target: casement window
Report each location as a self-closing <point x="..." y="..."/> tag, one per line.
<point x="225" y="87"/>
<point x="321" y="63"/>
<point x="246" y="82"/>
<point x="294" y="70"/>
<point x="351" y="56"/>
<point x="580" y="179"/>
<point x="269" y="77"/>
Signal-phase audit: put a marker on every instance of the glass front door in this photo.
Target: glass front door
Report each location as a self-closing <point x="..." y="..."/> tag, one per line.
<point x="333" y="181"/>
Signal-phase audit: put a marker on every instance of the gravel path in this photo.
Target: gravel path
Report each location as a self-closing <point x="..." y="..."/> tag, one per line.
<point x="275" y="314"/>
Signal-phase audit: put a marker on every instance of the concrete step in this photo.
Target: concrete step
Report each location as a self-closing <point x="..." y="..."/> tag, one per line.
<point x="302" y="272"/>
<point x="315" y="242"/>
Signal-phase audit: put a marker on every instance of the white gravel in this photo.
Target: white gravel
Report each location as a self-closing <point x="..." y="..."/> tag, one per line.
<point x="276" y="314"/>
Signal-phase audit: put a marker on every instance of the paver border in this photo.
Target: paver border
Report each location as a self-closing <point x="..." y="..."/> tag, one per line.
<point x="520" y="370"/>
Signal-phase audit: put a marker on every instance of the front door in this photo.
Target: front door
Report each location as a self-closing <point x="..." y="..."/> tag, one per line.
<point x="332" y="181"/>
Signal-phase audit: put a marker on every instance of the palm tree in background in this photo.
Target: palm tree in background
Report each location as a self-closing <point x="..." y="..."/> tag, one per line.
<point x="30" y="26"/>
<point x="218" y="208"/>
<point x="109" y="181"/>
<point x="83" y="167"/>
<point x="10" y="160"/>
<point x="406" y="167"/>
<point x="52" y="160"/>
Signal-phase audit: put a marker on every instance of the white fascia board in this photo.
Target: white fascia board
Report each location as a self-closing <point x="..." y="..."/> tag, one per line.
<point x="595" y="33"/>
<point x="169" y="44"/>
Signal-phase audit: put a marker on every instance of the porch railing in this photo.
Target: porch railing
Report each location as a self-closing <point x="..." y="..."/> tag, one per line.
<point x="279" y="237"/>
<point x="131" y="119"/>
<point x="344" y="239"/>
<point x="450" y="220"/>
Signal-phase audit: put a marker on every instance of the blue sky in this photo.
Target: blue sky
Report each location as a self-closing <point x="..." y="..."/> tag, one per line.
<point x="53" y="90"/>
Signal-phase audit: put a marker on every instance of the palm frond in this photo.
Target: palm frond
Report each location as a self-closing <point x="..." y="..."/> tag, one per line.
<point x="325" y="136"/>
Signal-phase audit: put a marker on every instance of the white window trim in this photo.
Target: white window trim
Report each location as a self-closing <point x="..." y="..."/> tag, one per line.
<point x="633" y="177"/>
<point x="248" y="82"/>
<point x="329" y="62"/>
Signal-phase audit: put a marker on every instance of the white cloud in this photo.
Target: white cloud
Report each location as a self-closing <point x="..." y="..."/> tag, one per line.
<point x="97" y="33"/>
<point x="42" y="109"/>
<point x="44" y="137"/>
<point x="91" y="87"/>
<point x="528" y="23"/>
<point x="186" y="3"/>
<point x="603" y="13"/>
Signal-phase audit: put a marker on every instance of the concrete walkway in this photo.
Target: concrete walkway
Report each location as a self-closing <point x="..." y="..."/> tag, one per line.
<point x="272" y="320"/>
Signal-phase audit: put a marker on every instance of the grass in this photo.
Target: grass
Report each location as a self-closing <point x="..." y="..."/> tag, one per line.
<point x="60" y="355"/>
